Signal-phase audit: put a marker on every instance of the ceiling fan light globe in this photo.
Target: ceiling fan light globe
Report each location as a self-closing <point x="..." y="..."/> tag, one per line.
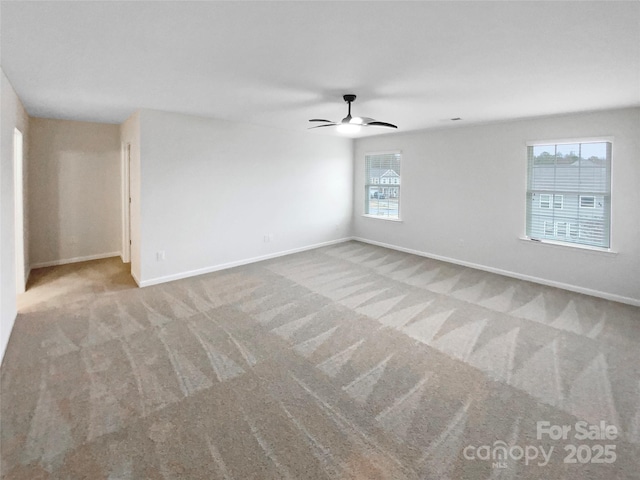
<point x="348" y="128"/>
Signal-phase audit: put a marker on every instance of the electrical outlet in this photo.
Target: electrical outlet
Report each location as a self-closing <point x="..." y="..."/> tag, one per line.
<point x="266" y="238"/>
<point x="160" y="255"/>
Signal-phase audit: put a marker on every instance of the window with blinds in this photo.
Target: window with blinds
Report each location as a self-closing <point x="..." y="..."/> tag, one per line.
<point x="569" y="193"/>
<point x="382" y="185"/>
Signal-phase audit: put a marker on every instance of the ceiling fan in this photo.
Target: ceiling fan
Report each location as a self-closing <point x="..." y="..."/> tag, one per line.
<point x="351" y="124"/>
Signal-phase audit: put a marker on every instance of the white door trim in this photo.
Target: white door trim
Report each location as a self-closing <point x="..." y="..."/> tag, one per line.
<point x="126" y="202"/>
<point x="18" y="188"/>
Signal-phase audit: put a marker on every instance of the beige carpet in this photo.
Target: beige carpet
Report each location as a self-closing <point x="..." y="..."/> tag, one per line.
<point x="346" y="362"/>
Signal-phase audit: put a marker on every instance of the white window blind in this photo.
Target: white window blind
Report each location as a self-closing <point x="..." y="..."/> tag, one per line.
<point x="382" y="185"/>
<point x="569" y="193"/>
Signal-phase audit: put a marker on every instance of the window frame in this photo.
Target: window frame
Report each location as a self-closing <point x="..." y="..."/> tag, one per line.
<point x="586" y="206"/>
<point x="555" y="198"/>
<point x="574" y="230"/>
<point x="548" y="227"/>
<point x="566" y="226"/>
<point x="378" y="184"/>
<point x="548" y="202"/>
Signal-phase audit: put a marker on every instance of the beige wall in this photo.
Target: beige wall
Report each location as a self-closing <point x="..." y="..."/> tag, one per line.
<point x="74" y="191"/>
<point x="13" y="115"/>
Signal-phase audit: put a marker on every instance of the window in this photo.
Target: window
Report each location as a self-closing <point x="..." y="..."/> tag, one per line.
<point x="382" y="202"/>
<point x="548" y="229"/>
<point x="587" y="202"/>
<point x="569" y="192"/>
<point x="573" y="230"/>
<point x="558" y="201"/>
<point x="545" y="201"/>
<point x="561" y="229"/>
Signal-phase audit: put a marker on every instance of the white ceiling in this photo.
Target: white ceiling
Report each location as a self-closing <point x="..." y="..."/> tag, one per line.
<point x="415" y="64"/>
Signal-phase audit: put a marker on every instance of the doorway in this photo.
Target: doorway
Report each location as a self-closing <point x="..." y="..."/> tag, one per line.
<point x="18" y="188"/>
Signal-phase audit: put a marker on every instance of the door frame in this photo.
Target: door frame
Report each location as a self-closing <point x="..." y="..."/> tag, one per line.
<point x="18" y="189"/>
<point x="126" y="202"/>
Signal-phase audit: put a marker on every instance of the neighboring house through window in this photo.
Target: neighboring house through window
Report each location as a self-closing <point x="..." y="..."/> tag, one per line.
<point x="569" y="192"/>
<point x="382" y="169"/>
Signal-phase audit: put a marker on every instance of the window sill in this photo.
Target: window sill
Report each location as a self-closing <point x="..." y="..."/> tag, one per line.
<point x="586" y="248"/>
<point x="397" y="220"/>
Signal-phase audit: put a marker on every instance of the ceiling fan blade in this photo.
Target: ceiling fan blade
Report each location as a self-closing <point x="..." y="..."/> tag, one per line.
<point x="350" y="121"/>
<point x="381" y="124"/>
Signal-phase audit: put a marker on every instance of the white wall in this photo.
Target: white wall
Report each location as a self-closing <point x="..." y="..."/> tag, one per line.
<point x="74" y="191"/>
<point x="130" y="134"/>
<point x="463" y="198"/>
<point x="12" y="115"/>
<point x="211" y="190"/>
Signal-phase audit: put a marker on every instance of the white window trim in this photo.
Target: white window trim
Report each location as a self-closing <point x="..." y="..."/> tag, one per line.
<point x="399" y="197"/>
<point x="575" y="245"/>
<point x="571" y="245"/>
<point x="386" y="219"/>
<point x="570" y="141"/>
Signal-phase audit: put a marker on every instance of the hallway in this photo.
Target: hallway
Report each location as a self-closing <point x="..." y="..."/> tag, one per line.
<point x="76" y="283"/>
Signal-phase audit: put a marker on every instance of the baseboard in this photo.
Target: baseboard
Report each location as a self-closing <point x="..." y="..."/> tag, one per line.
<point x="74" y="260"/>
<point x="508" y="273"/>
<point x="224" y="266"/>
